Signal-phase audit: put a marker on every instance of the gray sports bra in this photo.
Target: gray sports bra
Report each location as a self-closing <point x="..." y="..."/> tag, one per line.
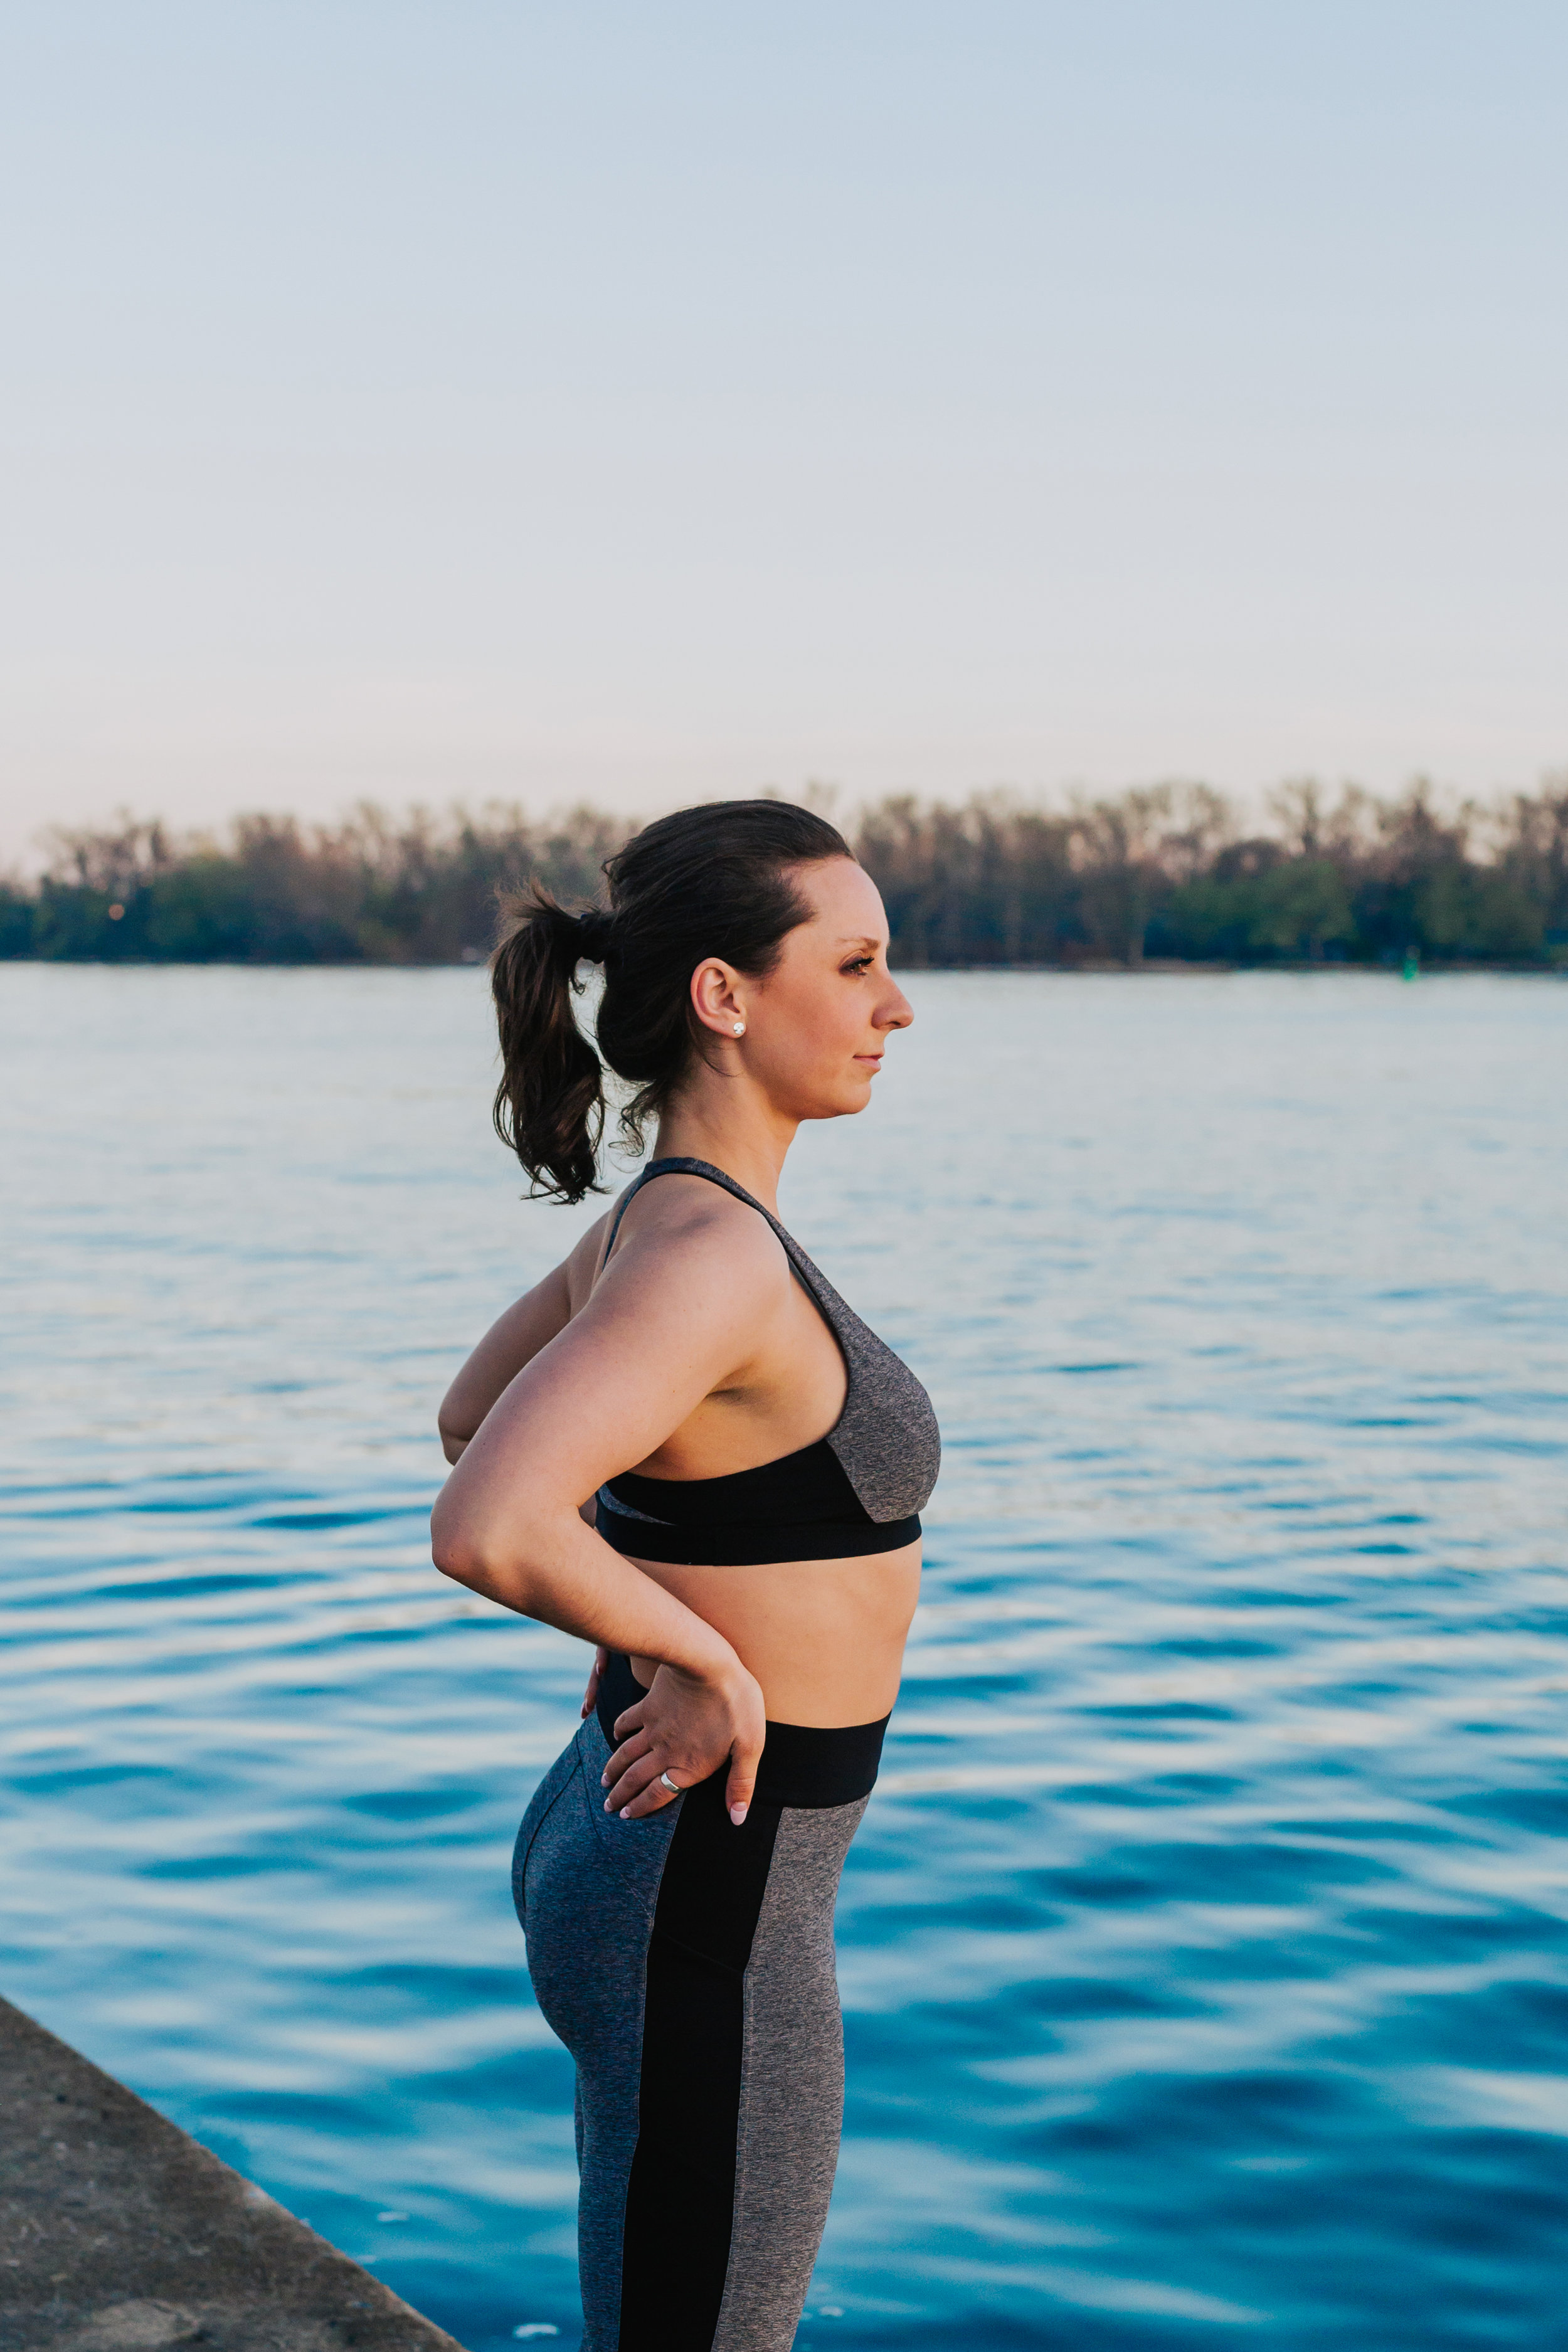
<point x="859" y="1490"/>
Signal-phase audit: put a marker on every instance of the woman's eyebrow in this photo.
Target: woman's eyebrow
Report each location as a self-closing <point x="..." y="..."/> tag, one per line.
<point x="858" y="940"/>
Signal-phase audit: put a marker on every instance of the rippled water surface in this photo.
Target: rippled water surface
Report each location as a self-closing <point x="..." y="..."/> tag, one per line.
<point x="1204" y="1952"/>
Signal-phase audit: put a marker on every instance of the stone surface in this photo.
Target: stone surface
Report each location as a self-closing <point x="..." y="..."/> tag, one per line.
<point x="117" y="2233"/>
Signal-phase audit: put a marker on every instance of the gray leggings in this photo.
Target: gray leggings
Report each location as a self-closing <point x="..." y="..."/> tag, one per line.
<point x="687" y="1967"/>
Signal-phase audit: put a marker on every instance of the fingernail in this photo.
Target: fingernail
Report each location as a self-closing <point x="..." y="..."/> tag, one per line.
<point x="625" y="1812"/>
<point x="609" y="1808"/>
<point x="737" y="1814"/>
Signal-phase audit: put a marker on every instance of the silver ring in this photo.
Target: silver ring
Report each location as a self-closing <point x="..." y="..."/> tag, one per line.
<point x="673" y="1786"/>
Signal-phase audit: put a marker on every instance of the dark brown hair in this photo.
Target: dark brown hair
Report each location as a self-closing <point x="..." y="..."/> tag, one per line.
<point x="711" y="881"/>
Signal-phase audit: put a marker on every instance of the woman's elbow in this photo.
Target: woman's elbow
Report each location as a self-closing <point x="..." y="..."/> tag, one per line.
<point x="455" y="1557"/>
<point x="449" y="1429"/>
<point x="487" y="1558"/>
<point x="457" y="1545"/>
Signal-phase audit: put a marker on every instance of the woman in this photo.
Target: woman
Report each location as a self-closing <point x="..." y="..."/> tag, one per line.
<point x="747" y="1568"/>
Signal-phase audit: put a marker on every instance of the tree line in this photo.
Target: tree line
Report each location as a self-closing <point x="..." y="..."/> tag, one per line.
<point x="1164" y="873"/>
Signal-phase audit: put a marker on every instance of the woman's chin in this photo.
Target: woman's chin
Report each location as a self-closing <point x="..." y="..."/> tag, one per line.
<point x="837" y="1102"/>
<point x="854" y="1094"/>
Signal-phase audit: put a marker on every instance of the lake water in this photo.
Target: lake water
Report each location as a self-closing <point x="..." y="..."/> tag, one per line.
<point x="1204" y="1952"/>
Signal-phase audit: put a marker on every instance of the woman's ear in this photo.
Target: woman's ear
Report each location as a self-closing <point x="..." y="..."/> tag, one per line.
<point x="716" y="990"/>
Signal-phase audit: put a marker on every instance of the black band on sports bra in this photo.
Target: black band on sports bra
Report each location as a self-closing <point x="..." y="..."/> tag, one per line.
<point x="799" y="1507"/>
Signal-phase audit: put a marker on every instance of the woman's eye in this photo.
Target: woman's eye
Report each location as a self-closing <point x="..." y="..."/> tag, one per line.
<point x="861" y="963"/>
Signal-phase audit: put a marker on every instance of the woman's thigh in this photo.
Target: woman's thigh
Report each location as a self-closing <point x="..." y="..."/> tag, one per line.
<point x="689" y="1968"/>
<point x="741" y="2086"/>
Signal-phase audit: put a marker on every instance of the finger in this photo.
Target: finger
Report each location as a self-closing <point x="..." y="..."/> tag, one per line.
<point x="653" y="1799"/>
<point x="641" y="1774"/>
<point x="626" y="1753"/>
<point x="591" y="1694"/>
<point x="742" y="1782"/>
<point x="629" y="1719"/>
<point x="658" y="1792"/>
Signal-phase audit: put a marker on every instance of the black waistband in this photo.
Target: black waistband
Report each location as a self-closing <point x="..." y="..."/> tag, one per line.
<point x="801" y="1765"/>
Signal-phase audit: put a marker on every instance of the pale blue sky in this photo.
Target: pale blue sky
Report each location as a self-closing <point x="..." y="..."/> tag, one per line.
<point x="434" y="401"/>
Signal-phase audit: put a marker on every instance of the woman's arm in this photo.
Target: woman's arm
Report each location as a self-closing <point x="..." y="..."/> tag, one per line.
<point x="681" y="1311"/>
<point x="515" y="1339"/>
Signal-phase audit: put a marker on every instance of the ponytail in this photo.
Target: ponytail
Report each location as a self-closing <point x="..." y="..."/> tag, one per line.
<point x="711" y="881"/>
<point x="549" y="1104"/>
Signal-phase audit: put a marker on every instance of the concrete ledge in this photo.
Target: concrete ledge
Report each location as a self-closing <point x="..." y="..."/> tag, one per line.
<point x="117" y="2233"/>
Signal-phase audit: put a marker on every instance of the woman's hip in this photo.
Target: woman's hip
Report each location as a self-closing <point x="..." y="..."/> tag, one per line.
<point x="713" y="1903"/>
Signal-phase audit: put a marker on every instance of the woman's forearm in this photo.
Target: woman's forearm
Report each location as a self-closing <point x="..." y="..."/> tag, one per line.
<point x="565" y="1575"/>
<point x="512" y="1341"/>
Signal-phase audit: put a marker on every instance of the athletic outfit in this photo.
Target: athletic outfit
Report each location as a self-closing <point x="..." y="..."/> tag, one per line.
<point x="686" y="1964"/>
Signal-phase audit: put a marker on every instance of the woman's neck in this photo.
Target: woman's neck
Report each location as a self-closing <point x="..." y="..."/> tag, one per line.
<point x="747" y="1140"/>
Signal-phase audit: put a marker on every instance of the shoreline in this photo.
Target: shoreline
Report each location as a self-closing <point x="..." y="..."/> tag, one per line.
<point x="1147" y="968"/>
<point x="123" y="2234"/>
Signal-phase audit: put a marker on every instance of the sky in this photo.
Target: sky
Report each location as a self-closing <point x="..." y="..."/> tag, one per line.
<point x="435" y="403"/>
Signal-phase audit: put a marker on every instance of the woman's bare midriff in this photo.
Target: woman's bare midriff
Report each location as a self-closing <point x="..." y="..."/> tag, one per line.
<point x="824" y="1638"/>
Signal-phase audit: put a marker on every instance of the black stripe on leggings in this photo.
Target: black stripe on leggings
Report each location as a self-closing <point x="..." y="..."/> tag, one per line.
<point x="680" y="2197"/>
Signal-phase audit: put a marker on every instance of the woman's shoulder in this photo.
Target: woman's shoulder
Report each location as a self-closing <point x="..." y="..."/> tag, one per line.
<point x="685" y="1228"/>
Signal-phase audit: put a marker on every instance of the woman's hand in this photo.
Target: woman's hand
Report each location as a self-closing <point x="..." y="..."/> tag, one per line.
<point x="688" y="1725"/>
<point x="591" y="1696"/>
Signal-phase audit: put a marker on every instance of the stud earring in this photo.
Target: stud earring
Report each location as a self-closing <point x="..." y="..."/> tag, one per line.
<point x="740" y="1028"/>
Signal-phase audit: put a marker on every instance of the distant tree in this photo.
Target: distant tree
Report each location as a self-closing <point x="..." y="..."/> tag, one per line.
<point x="18" y="921"/>
<point x="1531" y="855"/>
<point x="1159" y="870"/>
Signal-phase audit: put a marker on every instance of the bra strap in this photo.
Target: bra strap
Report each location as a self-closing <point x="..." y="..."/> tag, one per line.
<point x="627" y="1199"/>
<point x="703" y="1168"/>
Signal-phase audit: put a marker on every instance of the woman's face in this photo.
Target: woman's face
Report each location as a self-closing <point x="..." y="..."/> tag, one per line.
<point x="818" y="1024"/>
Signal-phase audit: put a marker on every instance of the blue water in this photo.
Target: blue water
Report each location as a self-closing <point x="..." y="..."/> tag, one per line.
<point x="1204" y="1952"/>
